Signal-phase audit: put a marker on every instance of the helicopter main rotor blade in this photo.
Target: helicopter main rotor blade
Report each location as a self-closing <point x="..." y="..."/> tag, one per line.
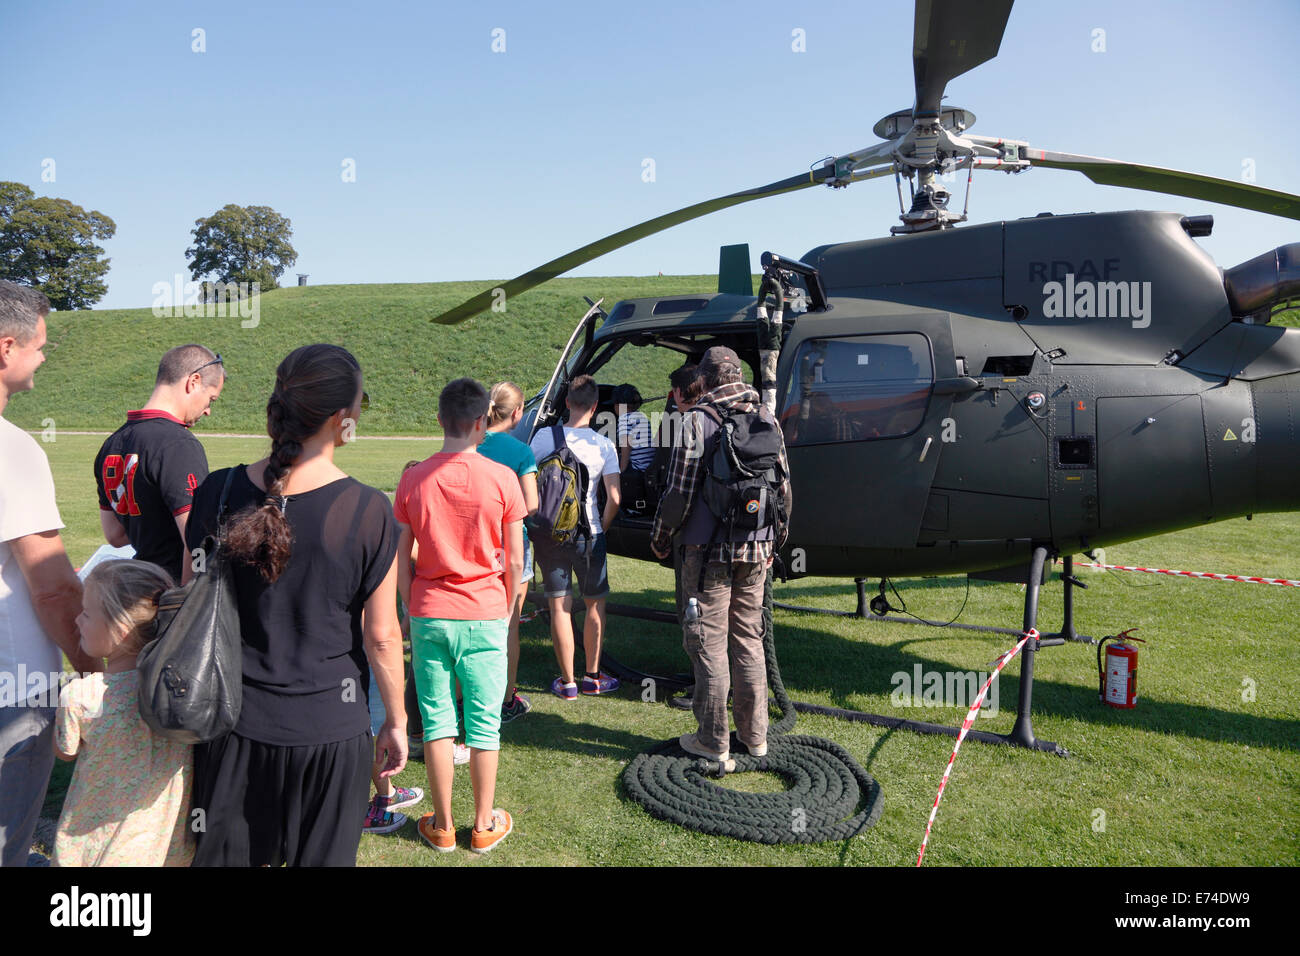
<point x="949" y="38"/>
<point x="593" y="250"/>
<point x="1114" y="172"/>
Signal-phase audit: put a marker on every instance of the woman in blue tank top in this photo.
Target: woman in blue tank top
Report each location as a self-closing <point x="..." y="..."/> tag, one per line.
<point x="505" y="412"/>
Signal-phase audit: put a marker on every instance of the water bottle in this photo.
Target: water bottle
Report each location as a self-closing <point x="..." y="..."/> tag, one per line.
<point x="692" y="610"/>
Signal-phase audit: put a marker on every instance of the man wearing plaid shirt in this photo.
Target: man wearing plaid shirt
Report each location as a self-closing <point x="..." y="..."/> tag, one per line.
<point x="725" y="642"/>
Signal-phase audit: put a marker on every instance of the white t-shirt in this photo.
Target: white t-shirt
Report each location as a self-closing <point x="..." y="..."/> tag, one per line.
<point x="26" y="507"/>
<point x="597" y="454"/>
<point x="634" y="431"/>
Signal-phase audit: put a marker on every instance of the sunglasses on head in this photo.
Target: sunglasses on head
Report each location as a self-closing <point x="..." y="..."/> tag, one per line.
<point x="215" y="361"/>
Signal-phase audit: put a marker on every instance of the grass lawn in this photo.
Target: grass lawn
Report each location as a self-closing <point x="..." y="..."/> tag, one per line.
<point x="1197" y="774"/>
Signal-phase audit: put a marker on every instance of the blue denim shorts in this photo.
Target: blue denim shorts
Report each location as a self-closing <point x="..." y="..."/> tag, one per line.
<point x="584" y="557"/>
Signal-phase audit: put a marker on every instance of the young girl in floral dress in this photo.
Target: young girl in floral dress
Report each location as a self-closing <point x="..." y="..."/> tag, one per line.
<point x="128" y="802"/>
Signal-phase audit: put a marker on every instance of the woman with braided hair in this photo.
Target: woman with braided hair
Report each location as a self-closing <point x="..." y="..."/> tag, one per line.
<point x="316" y="581"/>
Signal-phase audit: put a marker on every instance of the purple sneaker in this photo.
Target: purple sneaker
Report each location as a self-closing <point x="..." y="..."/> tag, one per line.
<point x="564" y="691"/>
<point x="602" y="684"/>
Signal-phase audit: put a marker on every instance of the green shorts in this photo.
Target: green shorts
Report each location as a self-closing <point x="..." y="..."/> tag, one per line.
<point x="473" y="652"/>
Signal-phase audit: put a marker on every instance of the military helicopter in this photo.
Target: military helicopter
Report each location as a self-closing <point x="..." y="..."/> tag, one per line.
<point x="981" y="398"/>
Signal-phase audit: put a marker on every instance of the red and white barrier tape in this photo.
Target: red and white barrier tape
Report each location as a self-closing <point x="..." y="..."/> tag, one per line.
<point x="1245" y="579"/>
<point x="965" y="726"/>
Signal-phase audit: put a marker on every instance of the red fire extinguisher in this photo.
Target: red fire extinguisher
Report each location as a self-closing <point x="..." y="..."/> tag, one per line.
<point x="1118" y="676"/>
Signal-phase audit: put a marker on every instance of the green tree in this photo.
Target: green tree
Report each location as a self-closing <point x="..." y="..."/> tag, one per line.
<point x="49" y="244"/>
<point x="242" y="244"/>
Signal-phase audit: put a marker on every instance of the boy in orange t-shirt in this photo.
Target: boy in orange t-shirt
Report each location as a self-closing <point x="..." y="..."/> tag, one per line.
<point x="465" y="513"/>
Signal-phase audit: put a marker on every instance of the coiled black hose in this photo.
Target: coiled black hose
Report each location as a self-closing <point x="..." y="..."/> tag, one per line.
<point x="831" y="796"/>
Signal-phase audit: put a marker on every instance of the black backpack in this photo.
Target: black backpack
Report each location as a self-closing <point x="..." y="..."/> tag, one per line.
<point x="191" y="674"/>
<point x="743" y="474"/>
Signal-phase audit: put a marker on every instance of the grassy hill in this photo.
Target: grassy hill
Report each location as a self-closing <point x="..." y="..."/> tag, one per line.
<point x="102" y="363"/>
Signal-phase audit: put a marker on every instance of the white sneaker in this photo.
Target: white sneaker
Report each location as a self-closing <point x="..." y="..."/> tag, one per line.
<point x="758" y="751"/>
<point x="691" y="744"/>
<point x="459" y="754"/>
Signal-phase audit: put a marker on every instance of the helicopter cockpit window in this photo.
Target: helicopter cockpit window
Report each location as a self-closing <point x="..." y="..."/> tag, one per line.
<point x="857" y="388"/>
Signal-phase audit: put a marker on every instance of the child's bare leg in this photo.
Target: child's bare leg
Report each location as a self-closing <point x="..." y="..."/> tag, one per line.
<point x="562" y="635"/>
<point x="483" y="776"/>
<point x="383" y="785"/>
<point x="512" y="644"/>
<point x="437" y="760"/>
<point x="593" y="630"/>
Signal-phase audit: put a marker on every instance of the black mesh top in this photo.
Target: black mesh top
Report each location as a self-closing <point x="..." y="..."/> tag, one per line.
<point x="306" y="679"/>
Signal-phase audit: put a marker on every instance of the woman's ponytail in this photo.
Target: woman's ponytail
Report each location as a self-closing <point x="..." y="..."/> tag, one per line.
<point x="505" y="398"/>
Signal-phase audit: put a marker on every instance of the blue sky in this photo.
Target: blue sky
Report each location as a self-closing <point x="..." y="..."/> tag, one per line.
<point x="474" y="164"/>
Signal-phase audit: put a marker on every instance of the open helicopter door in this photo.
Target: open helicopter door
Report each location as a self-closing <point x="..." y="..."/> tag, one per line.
<point x="863" y="404"/>
<point x="545" y="409"/>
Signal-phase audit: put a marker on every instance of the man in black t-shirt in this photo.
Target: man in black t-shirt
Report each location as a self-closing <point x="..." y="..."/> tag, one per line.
<point x="148" y="469"/>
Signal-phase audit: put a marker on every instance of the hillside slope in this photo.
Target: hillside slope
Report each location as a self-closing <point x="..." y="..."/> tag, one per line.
<point x="102" y="363"/>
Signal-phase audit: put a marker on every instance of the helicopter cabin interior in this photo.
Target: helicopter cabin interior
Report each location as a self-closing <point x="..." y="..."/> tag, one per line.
<point x="839" y="391"/>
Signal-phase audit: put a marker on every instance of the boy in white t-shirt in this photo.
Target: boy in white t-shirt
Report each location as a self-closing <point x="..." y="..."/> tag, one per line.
<point x="585" y="556"/>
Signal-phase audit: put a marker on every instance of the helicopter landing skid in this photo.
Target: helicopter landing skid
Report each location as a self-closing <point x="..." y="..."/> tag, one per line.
<point x="920" y="727"/>
<point x="1067" y="631"/>
<point x="1022" y="733"/>
<point x="864" y="612"/>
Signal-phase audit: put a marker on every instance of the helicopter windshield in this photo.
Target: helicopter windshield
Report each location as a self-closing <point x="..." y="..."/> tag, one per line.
<point x="857" y="388"/>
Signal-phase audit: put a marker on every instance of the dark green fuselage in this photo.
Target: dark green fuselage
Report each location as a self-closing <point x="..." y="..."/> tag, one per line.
<point x="1165" y="415"/>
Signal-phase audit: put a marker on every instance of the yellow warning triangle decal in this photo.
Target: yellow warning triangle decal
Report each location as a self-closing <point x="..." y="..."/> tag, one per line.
<point x="1229" y="436"/>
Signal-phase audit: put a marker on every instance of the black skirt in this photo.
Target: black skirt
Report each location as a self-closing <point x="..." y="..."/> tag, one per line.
<point x="269" y="805"/>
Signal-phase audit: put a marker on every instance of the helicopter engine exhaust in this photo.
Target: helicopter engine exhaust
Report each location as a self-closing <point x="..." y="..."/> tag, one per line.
<point x="1258" y="286"/>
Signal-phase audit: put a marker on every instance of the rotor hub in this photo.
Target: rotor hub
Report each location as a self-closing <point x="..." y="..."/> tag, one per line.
<point x="952" y="118"/>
